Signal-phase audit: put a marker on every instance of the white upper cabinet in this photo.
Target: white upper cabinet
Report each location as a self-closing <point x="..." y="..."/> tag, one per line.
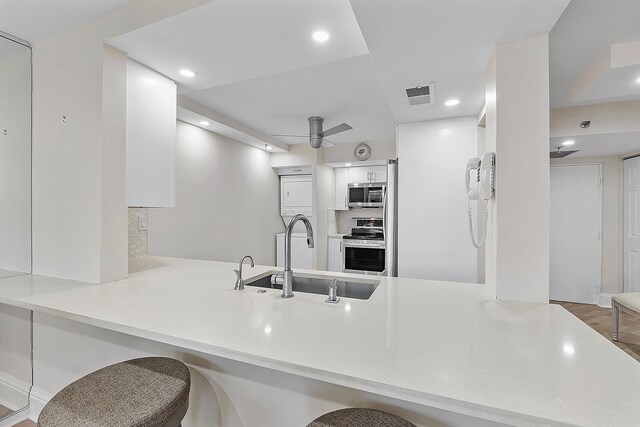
<point x="342" y="182"/>
<point x="151" y="137"/>
<point x="362" y="174"/>
<point x="378" y="174"/>
<point x="359" y="174"/>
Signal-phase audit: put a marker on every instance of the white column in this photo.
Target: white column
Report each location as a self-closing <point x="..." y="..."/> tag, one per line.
<point x="517" y="98"/>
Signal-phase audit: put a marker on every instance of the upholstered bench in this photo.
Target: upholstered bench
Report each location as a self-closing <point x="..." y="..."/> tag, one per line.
<point x="629" y="303"/>
<point x="148" y="392"/>
<point x="359" y="417"/>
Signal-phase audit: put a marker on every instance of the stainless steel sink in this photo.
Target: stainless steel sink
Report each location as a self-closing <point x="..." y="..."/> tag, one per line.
<point x="361" y="289"/>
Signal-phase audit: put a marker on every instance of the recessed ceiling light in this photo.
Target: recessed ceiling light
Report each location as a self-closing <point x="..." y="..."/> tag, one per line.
<point x="568" y="142"/>
<point x="267" y="147"/>
<point x="205" y="123"/>
<point x="188" y="73"/>
<point x="321" y="36"/>
<point x="638" y="80"/>
<point x="347" y="164"/>
<point x="452" y="102"/>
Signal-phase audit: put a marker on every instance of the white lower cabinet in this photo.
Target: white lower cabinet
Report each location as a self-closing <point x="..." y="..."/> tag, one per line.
<point x="335" y="249"/>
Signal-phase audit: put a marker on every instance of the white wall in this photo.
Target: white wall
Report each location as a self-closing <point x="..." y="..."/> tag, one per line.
<point x="433" y="236"/>
<point x="380" y="150"/>
<point x="15" y="159"/>
<point x="76" y="193"/>
<point x="613" y="117"/>
<point x="15" y="360"/>
<point x="517" y="130"/>
<point x="227" y="202"/>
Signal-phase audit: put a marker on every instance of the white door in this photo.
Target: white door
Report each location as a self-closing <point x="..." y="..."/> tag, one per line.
<point x="575" y="244"/>
<point x="631" y="225"/>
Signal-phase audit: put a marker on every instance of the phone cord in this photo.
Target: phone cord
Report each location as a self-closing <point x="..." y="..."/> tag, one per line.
<point x="483" y="237"/>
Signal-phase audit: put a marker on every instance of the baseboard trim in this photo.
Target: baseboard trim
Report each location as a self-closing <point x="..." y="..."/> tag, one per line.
<point x="39" y="398"/>
<point x="15" y="418"/>
<point x="13" y="391"/>
<point x="604" y="300"/>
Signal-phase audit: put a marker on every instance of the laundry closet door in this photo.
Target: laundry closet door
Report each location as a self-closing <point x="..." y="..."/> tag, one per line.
<point x="575" y="240"/>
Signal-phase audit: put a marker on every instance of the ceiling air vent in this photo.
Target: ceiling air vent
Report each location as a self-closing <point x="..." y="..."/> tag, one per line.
<point x="560" y="154"/>
<point x="420" y="95"/>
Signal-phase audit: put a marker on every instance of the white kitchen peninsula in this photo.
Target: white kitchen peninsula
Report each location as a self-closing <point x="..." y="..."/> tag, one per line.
<point x="422" y="349"/>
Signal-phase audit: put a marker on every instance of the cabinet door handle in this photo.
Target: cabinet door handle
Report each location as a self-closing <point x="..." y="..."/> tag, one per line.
<point x="340" y="246"/>
<point x="369" y="176"/>
<point x="287" y="194"/>
<point x="345" y="201"/>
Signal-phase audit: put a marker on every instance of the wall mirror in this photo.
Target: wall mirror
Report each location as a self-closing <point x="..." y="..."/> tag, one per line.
<point x="15" y="219"/>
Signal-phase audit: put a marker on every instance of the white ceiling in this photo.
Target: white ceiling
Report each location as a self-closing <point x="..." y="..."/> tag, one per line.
<point x="583" y="34"/>
<point x="342" y="91"/>
<point x="228" y="41"/>
<point x="34" y="20"/>
<point x="257" y="63"/>
<point x="612" y="144"/>
<point x="415" y="42"/>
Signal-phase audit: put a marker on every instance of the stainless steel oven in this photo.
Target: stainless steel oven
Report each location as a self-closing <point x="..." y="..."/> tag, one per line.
<point x="364" y="248"/>
<point x="364" y="256"/>
<point x="366" y="195"/>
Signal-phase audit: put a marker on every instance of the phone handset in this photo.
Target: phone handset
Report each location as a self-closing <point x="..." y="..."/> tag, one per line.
<point x="482" y="172"/>
<point x="472" y="173"/>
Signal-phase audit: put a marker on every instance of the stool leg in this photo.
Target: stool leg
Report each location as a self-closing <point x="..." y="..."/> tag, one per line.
<point x="615" y="322"/>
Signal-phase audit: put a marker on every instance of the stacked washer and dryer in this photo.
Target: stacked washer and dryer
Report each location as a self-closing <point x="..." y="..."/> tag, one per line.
<point x="296" y="197"/>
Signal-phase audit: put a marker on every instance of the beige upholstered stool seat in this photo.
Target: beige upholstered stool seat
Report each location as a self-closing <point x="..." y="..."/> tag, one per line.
<point x="629" y="302"/>
<point x="359" y="417"/>
<point x="148" y="392"/>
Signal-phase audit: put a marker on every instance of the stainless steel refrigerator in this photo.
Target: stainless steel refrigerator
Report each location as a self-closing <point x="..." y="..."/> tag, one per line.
<point x="390" y="214"/>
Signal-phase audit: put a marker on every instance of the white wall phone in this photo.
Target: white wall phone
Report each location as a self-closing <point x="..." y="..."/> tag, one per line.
<point x="480" y="184"/>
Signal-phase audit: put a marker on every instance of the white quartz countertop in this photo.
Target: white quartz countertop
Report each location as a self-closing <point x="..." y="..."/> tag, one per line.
<point x="445" y="345"/>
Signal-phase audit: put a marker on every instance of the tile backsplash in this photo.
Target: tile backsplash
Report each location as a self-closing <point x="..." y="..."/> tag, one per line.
<point x="343" y="218"/>
<point x="138" y="239"/>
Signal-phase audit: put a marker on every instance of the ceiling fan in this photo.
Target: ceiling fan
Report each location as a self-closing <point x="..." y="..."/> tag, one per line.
<point x="318" y="137"/>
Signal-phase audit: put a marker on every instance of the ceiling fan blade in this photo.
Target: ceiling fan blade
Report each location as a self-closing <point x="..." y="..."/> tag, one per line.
<point x="291" y="136"/>
<point x="327" y="144"/>
<point x="336" y="129"/>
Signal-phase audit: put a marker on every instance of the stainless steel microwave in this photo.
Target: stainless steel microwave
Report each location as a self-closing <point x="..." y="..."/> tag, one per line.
<point x="366" y="195"/>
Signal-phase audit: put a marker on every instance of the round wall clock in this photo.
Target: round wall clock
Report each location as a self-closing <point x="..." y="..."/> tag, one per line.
<point x="362" y="152"/>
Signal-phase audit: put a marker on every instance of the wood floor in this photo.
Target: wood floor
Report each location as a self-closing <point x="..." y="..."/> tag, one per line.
<point x="600" y="319"/>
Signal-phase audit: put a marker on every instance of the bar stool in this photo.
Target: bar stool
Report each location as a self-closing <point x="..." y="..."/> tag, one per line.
<point x="147" y="392"/>
<point x="359" y="417"/>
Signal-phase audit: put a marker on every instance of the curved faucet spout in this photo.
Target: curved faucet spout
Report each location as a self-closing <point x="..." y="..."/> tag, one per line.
<point x="239" y="281"/>
<point x="287" y="287"/>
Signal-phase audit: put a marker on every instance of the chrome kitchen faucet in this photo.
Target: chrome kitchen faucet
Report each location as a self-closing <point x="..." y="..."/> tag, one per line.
<point x="239" y="282"/>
